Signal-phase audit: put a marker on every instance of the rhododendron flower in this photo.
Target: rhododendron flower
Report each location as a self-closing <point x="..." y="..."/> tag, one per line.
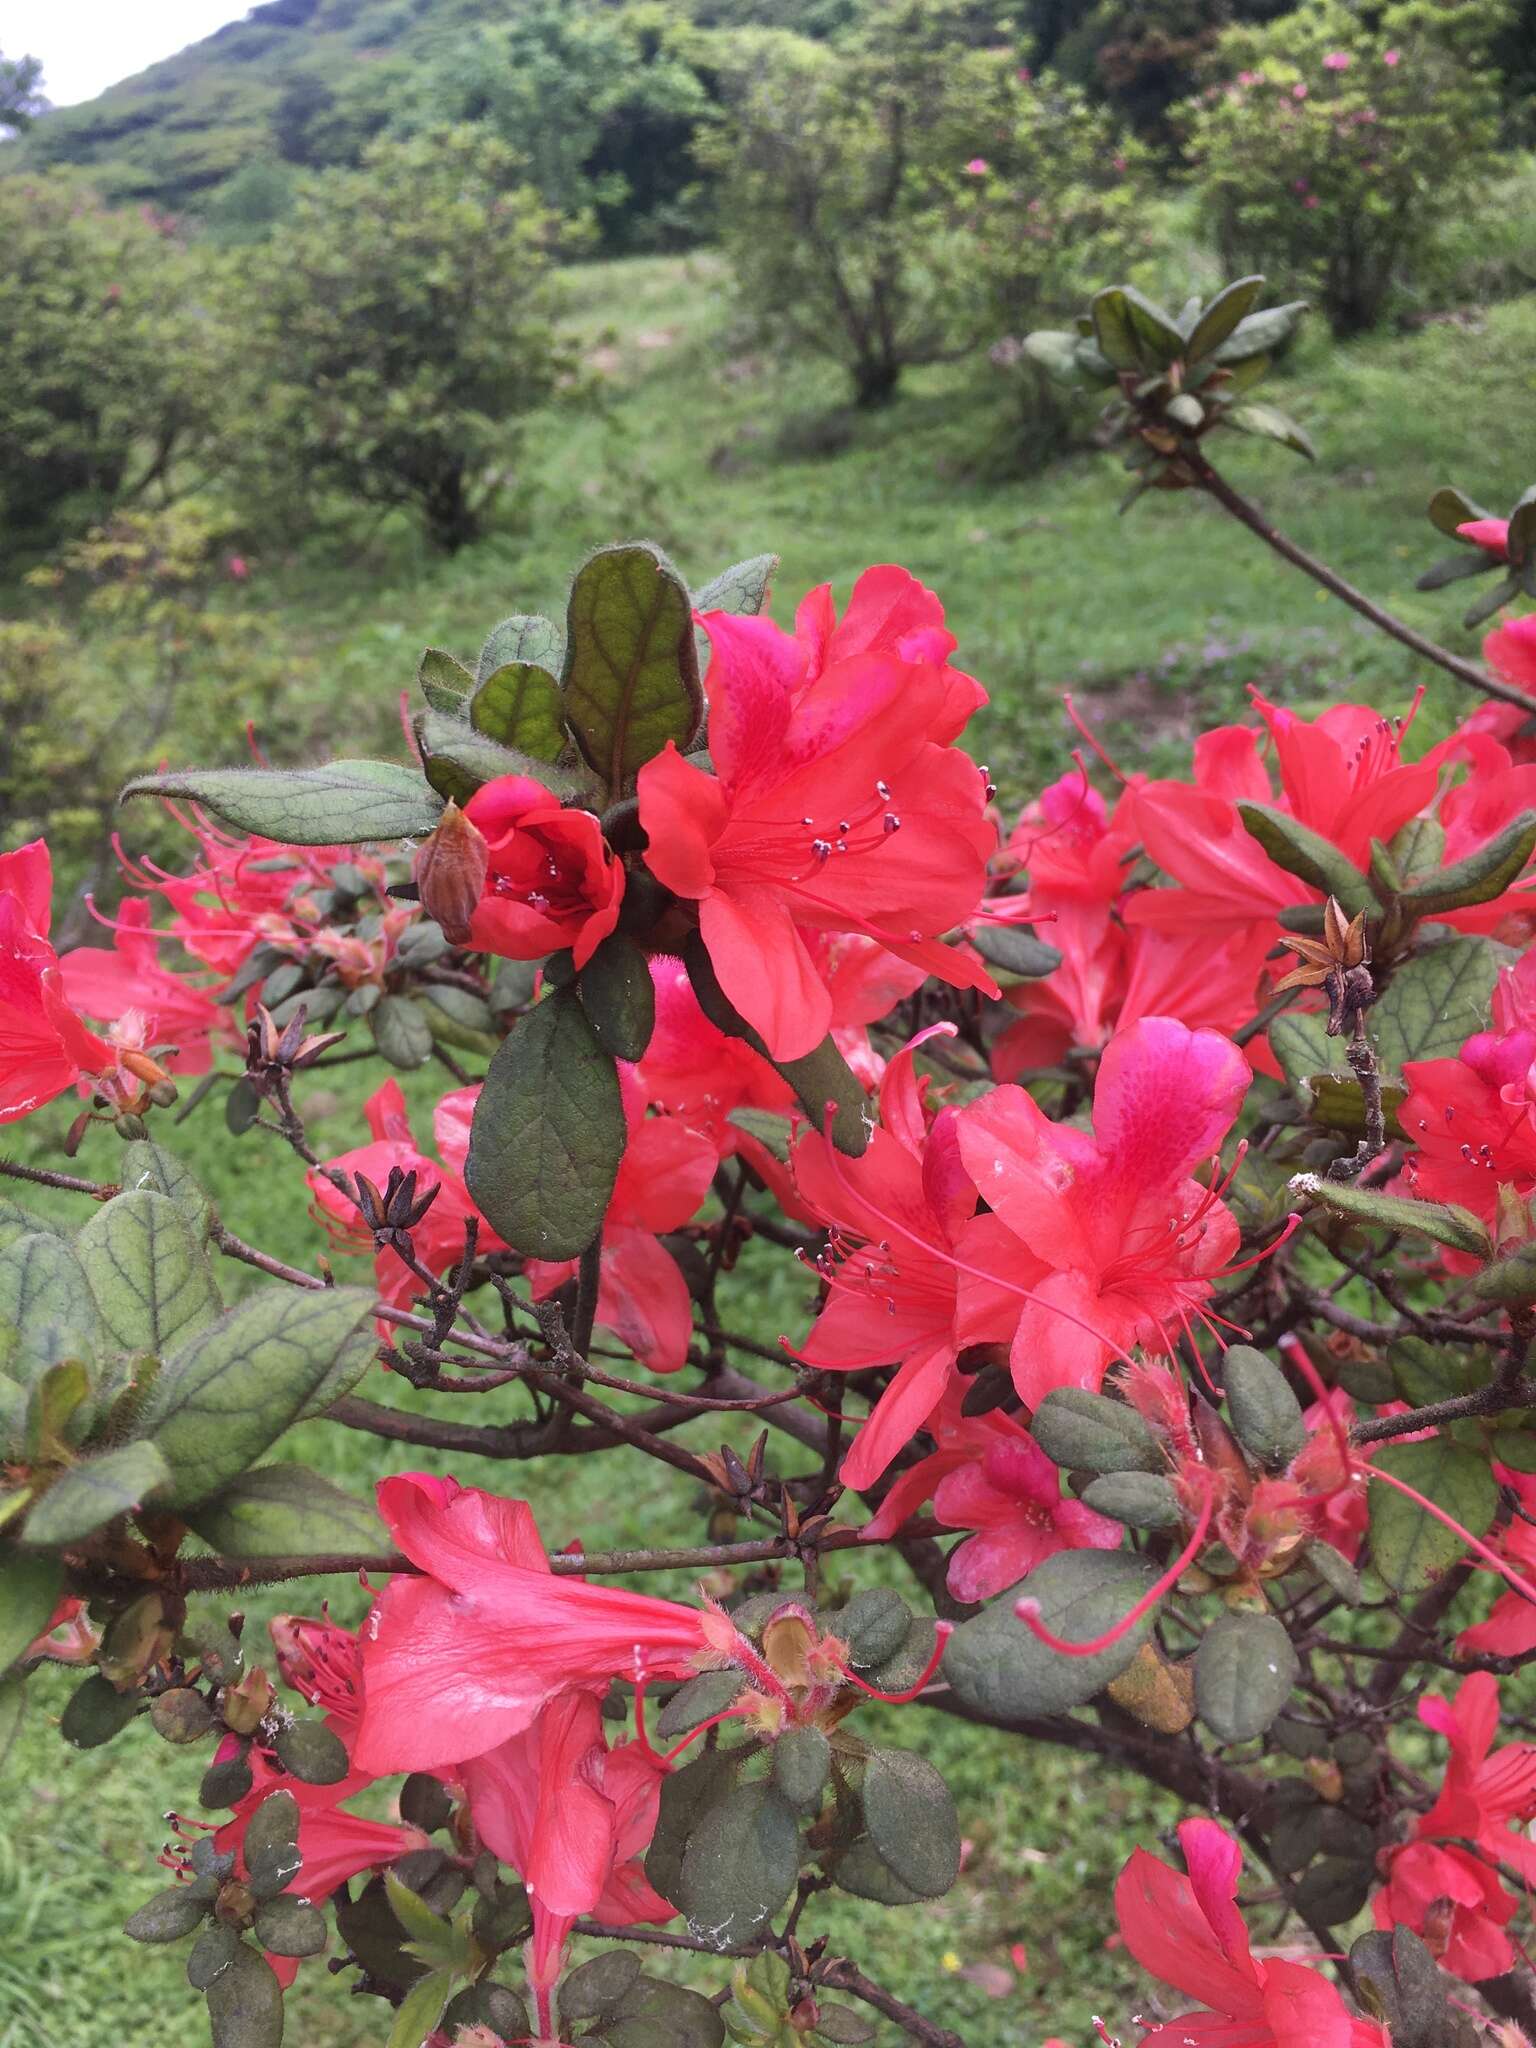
<point x="1188" y="1932"/>
<point x="1491" y="534"/>
<point x="989" y="1475"/>
<point x="832" y="807"/>
<point x="109" y="984"/>
<point x="1340" y="774"/>
<point x="1472" y="1124"/>
<point x="642" y="1296"/>
<point x="902" y="1237"/>
<point x="1510" y="651"/>
<point x="1510" y="1629"/>
<point x="1337" y="60"/>
<point x="1449" y="1894"/>
<point x="977" y="167"/>
<point x="466" y="1655"/>
<point x="1130" y="1243"/>
<point x="44" y="1047"/>
<point x="888" y="612"/>
<point x="573" y="1819"/>
<point x="439" y="1236"/>
<point x="553" y="880"/>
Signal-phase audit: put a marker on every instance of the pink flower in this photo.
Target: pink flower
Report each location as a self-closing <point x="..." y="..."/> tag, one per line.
<point x="471" y="1652"/>
<point x="553" y="881"/>
<point x="44" y="1046"/>
<point x="1490" y="534"/>
<point x="1130" y="1241"/>
<point x="1311" y="201"/>
<point x="838" y="804"/>
<point x="1187" y="1932"/>
<point x="1337" y="60"/>
<point x="129" y="980"/>
<point x="978" y="167"/>
<point x="238" y="567"/>
<point x="1391" y="58"/>
<point x="1298" y="92"/>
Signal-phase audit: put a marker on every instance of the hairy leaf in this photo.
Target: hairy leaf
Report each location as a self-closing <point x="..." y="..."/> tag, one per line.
<point x="1411" y="1548"/>
<point x="93" y="1492"/>
<point x="631" y="680"/>
<point x="287" y="1511"/>
<point x="151" y="1280"/>
<point x="342" y="803"/>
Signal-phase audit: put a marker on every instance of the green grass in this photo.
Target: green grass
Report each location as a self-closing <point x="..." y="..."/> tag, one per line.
<point x="1156" y="623"/>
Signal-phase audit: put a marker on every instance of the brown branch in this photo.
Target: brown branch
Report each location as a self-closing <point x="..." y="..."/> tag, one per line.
<point x="1248" y="514"/>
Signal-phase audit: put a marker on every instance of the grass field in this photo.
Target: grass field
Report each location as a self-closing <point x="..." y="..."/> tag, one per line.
<point x="1156" y="623"/>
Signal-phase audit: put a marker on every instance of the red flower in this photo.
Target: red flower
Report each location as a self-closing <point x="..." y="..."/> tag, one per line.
<point x="1187" y="1932"/>
<point x="129" y="981"/>
<point x="573" y="1819"/>
<point x="989" y="1475"/>
<point x="1340" y="774"/>
<point x="664" y="1176"/>
<point x="1491" y="534"/>
<point x="1510" y="651"/>
<point x="44" y="1046"/>
<point x="831" y="807"/>
<point x="1129" y="1242"/>
<point x="468" y="1654"/>
<point x="901" y="1234"/>
<point x="889" y="612"/>
<point x="1449" y="1894"/>
<point x="553" y="880"/>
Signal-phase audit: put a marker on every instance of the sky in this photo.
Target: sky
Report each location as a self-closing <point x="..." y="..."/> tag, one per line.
<point x="87" y="45"/>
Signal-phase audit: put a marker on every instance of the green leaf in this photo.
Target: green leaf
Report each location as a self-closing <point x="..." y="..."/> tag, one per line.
<point x="741" y="589"/>
<point x="1303" y="852"/>
<point x="996" y="1665"/>
<point x="1084" y="1432"/>
<point x="1132" y="332"/>
<point x="169" y="1915"/>
<point x="548" y="1133"/>
<point x="458" y="1017"/>
<point x="288" y="1511"/>
<point x="912" y="1820"/>
<point x="29" y="1592"/>
<point x="1398" y="1980"/>
<point x="433" y="1936"/>
<point x="519" y="705"/>
<point x="487" y="2004"/>
<point x="597" y="1986"/>
<point x="1266" y="1415"/>
<point x="342" y="803"/>
<point x="401" y="1032"/>
<point x="821" y="1077"/>
<point x="211" y="1953"/>
<point x="1315" y="1065"/>
<point x="13" y="1703"/>
<point x="710" y="1693"/>
<point x="1409" y="1547"/>
<point x="523" y="637"/>
<point x="1260" y="334"/>
<point x="147" y="1164"/>
<point x="1245" y="1669"/>
<point x="95" y="1491"/>
<point x="96" y="1712"/>
<point x="245" y="2002"/>
<point x="802" y="1758"/>
<point x="1450" y="508"/>
<point x="151" y="1280"/>
<point x="313" y="1753"/>
<point x="862" y="1870"/>
<point x="445" y="682"/>
<point x="1138" y="1500"/>
<point x="290" y="1927"/>
<point x="1220" y="317"/>
<point x="1503" y="592"/>
<point x="619" y="997"/>
<point x="1509" y="1281"/>
<point x="874" y="1625"/>
<point x="1456" y="569"/>
<point x="1017" y="954"/>
<point x="1444" y="1222"/>
<point x="1270" y="424"/>
<point x="740" y="1866"/>
<point x="58" y="1409"/>
<point x="232" y="1390"/>
<point x="44" y="1297"/>
<point x="1481" y="876"/>
<point x="458" y="760"/>
<point x="1434" y="1002"/>
<point x="631" y="680"/>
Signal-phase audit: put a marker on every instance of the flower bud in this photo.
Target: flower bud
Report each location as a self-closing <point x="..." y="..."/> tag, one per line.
<point x="246" y="1704"/>
<point x="450" y="871"/>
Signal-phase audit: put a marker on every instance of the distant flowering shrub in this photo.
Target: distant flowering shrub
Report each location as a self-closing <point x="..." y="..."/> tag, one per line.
<point x="1391" y="121"/>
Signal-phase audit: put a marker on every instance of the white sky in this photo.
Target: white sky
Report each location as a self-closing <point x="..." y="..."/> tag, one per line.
<point x="87" y="45"/>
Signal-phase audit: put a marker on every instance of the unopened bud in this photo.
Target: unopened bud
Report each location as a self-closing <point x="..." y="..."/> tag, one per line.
<point x="163" y="1093"/>
<point x="141" y="1066"/>
<point x="246" y="1704"/>
<point x="181" y="1715"/>
<point x="449" y="872"/>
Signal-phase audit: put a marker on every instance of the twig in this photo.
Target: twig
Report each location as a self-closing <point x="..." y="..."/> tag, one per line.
<point x="1249" y="515"/>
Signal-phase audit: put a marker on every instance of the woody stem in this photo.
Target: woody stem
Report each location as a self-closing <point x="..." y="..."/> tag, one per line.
<point x="1242" y="509"/>
<point x="589" y="1275"/>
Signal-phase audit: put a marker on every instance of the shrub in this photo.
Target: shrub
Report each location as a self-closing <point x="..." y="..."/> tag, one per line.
<point x="105" y="360"/>
<point x="1331" y="149"/>
<point x="903" y="197"/>
<point x="391" y="333"/>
